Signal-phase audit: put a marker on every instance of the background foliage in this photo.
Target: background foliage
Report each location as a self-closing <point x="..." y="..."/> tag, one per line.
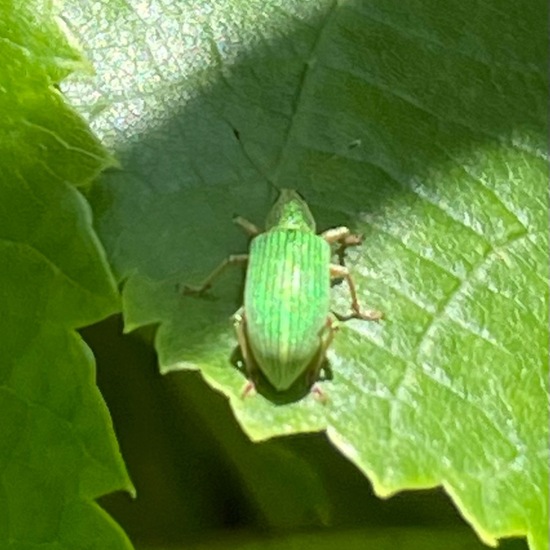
<point x="58" y="451"/>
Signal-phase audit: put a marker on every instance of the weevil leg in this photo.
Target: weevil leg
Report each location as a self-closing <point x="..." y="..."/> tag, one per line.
<point x="239" y="322"/>
<point x="327" y="335"/>
<point x="336" y="234"/>
<point x="207" y="283"/>
<point x="343" y="236"/>
<point x="340" y="271"/>
<point x="249" y="227"/>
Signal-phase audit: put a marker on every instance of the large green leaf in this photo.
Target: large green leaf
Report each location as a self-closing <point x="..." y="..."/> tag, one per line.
<point x="421" y="126"/>
<point x="57" y="447"/>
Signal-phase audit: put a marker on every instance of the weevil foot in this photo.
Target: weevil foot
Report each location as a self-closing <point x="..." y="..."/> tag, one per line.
<point x="353" y="239"/>
<point x="357" y="313"/>
<point x="249" y="389"/>
<point x="369" y="314"/>
<point x="319" y="394"/>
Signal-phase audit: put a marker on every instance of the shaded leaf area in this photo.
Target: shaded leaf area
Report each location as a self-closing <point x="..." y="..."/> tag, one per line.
<point x="422" y="127"/>
<point x="199" y="478"/>
<point x="57" y="448"/>
<point x="405" y="539"/>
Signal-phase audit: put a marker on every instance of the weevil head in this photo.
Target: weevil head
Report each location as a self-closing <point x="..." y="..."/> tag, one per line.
<point x="290" y="211"/>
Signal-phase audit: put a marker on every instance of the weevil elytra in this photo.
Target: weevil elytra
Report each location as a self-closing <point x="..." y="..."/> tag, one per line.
<point x="285" y="325"/>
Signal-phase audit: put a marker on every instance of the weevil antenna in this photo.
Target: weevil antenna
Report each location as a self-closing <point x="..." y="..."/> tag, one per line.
<point x="272" y="186"/>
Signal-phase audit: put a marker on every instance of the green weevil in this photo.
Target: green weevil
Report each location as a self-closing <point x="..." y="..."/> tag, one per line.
<point x="285" y="325"/>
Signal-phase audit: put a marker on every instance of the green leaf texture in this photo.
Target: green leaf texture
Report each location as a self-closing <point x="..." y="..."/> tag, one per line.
<point x="57" y="447"/>
<point x="387" y="539"/>
<point x="421" y="126"/>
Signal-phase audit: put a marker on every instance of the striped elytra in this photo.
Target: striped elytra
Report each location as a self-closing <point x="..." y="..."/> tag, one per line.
<point x="287" y="301"/>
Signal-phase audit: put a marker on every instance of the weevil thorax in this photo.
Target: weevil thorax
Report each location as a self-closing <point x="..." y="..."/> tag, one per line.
<point x="290" y="211"/>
